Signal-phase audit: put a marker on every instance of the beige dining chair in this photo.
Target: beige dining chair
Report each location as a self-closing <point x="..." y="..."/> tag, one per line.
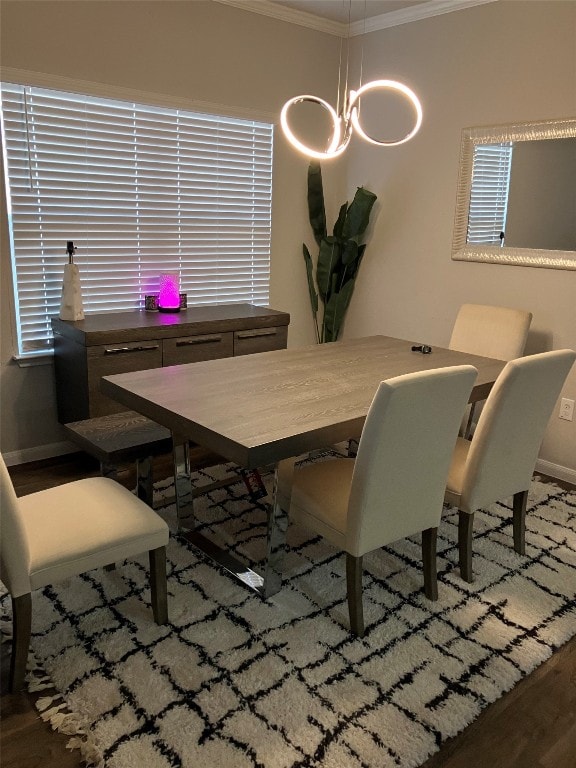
<point x="395" y="486"/>
<point x="499" y="460"/>
<point x="498" y="332"/>
<point x="67" y="530"/>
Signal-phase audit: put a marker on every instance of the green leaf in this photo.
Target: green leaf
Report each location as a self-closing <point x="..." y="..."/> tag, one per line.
<point x="316" y="210"/>
<point x="350" y="251"/>
<point x="353" y="267"/>
<point x="358" y="214"/>
<point x="339" y="226"/>
<point x="328" y="263"/>
<point x="335" y="311"/>
<point x="311" y="288"/>
<point x="339" y="255"/>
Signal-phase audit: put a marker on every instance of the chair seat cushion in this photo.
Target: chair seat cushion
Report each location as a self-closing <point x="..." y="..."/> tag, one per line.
<point x="86" y="524"/>
<point x="322" y="490"/>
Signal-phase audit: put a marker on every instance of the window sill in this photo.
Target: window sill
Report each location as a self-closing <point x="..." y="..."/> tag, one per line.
<point x="31" y="359"/>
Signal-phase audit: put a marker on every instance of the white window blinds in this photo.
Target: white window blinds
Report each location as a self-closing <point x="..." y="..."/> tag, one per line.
<point x="489" y="194"/>
<point x="141" y="191"/>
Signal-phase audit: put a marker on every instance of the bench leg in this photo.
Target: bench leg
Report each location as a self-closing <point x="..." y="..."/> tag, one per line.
<point x="144" y="488"/>
<point x="108" y="470"/>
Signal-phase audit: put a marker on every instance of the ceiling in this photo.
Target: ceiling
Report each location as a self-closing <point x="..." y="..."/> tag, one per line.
<point x="352" y="17"/>
<point x="337" y="10"/>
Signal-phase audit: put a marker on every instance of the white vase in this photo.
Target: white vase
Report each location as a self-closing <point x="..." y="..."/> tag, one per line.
<point x="71" y="303"/>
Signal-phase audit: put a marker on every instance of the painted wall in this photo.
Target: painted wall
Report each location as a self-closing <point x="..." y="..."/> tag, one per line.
<point x="502" y="62"/>
<point x="199" y="50"/>
<point x="497" y="63"/>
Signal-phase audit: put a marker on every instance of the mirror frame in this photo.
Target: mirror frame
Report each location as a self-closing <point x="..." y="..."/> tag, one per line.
<point x="494" y="254"/>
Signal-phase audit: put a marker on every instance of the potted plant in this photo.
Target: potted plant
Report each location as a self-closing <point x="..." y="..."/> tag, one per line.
<point x="339" y="255"/>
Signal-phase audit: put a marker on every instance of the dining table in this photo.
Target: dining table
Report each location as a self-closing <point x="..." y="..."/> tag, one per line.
<point x="256" y="410"/>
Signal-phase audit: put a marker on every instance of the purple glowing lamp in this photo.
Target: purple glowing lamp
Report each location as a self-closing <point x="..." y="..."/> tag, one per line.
<point x="169" y="295"/>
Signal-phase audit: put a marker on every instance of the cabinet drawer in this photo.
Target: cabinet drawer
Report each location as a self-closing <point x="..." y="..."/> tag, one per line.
<point x="109" y="359"/>
<point x="194" y="349"/>
<point x="260" y="340"/>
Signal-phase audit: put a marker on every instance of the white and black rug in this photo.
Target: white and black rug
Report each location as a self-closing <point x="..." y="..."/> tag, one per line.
<point x="235" y="681"/>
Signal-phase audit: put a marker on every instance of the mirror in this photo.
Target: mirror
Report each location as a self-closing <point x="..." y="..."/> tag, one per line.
<point x="538" y="222"/>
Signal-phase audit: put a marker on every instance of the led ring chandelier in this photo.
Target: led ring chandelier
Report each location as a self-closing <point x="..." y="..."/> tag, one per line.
<point x="349" y="119"/>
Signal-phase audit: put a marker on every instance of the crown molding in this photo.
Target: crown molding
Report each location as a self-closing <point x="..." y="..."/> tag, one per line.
<point x="392" y="19"/>
<point x="406" y="15"/>
<point x="291" y="15"/>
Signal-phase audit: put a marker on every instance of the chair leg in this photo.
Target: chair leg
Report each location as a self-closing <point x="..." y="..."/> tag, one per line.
<point x="21" y="631"/>
<point x="354" y="588"/>
<point x="519" y="503"/>
<point x="429" y="562"/>
<point x="465" y="526"/>
<point x="468" y="429"/>
<point x="159" y="585"/>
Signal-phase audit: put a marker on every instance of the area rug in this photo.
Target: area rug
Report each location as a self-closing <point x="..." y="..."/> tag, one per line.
<point x="235" y="681"/>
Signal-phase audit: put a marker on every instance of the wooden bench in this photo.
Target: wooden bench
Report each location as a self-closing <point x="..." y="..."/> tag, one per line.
<point x="123" y="437"/>
<point x="119" y="438"/>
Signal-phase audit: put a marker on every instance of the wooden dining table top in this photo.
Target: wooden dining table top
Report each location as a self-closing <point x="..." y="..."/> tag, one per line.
<point x="258" y="409"/>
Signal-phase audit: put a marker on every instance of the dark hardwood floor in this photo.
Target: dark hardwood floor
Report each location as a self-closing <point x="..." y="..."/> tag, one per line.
<point x="532" y="726"/>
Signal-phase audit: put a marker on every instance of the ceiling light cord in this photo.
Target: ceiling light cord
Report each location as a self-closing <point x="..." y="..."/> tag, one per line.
<point x="348" y="51"/>
<point x="362" y="53"/>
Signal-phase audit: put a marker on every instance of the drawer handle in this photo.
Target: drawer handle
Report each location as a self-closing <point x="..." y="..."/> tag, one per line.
<point x="255" y="334"/>
<point x="123" y="350"/>
<point x="198" y="340"/>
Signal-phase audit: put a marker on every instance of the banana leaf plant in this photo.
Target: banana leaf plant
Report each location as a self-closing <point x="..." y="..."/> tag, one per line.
<point x="339" y="255"/>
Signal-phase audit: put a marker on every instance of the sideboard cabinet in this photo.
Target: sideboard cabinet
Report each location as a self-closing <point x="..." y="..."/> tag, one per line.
<point x="119" y="342"/>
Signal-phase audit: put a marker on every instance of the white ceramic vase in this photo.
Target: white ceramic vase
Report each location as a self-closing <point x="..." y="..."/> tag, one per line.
<point x="71" y="303"/>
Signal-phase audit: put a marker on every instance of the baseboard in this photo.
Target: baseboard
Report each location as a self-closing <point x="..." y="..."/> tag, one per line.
<point x="51" y="450"/>
<point x="565" y="474"/>
<point x="39" y="453"/>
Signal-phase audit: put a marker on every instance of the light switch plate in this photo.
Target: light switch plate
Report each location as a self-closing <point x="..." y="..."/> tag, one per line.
<point x="566" y="409"/>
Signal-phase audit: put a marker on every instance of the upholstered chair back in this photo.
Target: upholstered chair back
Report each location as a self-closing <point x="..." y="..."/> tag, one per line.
<point x="511" y="428"/>
<point x="14" y="554"/>
<point x="403" y="456"/>
<point x="498" y="332"/>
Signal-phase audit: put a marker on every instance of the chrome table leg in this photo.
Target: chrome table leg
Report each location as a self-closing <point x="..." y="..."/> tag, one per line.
<point x="276" y="544"/>
<point x="266" y="584"/>
<point x="183" y="483"/>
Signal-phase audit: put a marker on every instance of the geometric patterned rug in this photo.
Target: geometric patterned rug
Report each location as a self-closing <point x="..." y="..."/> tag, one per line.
<point x="234" y="681"/>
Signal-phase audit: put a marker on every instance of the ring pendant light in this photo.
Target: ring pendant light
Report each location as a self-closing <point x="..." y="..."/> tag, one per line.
<point x="347" y="120"/>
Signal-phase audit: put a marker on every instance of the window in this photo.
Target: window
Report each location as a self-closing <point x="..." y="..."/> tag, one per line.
<point x="141" y="190"/>
<point x="489" y="193"/>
